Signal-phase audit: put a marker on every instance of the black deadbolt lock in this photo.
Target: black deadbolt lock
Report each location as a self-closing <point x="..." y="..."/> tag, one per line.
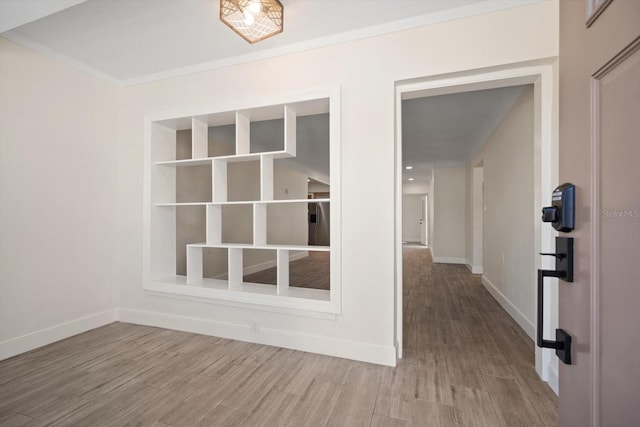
<point x="561" y="213"/>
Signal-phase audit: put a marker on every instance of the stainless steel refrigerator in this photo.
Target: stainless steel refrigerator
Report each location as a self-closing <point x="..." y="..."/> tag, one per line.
<point x="319" y="222"/>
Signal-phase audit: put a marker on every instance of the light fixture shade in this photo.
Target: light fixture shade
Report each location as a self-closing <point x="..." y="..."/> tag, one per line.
<point x="253" y="20"/>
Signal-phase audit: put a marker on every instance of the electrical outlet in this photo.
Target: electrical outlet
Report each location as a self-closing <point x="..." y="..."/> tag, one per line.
<point x="502" y="259"/>
<point x="254" y="328"/>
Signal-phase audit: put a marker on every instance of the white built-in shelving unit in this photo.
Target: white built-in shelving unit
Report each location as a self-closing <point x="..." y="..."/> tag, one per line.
<point x="160" y="204"/>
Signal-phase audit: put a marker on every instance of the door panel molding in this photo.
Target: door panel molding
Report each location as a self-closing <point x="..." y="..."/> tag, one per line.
<point x="595" y="10"/>
<point x="596" y="212"/>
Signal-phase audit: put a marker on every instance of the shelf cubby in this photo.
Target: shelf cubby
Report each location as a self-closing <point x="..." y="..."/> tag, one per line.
<point x="228" y="170"/>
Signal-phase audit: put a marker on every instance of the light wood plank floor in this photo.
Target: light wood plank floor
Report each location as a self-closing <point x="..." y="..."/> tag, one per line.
<point x="466" y="364"/>
<point x="312" y="271"/>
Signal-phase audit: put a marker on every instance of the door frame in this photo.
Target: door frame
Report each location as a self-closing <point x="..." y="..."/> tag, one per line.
<point x="543" y="74"/>
<point x="424" y="227"/>
<point x="477" y="218"/>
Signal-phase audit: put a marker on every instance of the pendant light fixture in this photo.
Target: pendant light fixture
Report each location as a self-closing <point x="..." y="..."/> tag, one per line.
<point x="253" y="20"/>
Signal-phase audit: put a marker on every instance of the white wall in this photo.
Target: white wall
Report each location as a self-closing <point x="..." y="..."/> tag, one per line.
<point x="77" y="267"/>
<point x="449" y="220"/>
<point x="508" y="249"/>
<point x="318" y="187"/>
<point x="58" y="200"/>
<point x="411" y="215"/>
<point x="416" y="187"/>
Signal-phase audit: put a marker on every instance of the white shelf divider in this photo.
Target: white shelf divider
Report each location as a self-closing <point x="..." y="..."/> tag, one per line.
<point x="235" y="268"/>
<point x="194" y="265"/>
<point x="282" y="263"/>
<point x="270" y="247"/>
<point x="214" y="224"/>
<point x="290" y="130"/>
<point x="199" y="139"/>
<point x="173" y="205"/>
<point x="185" y="162"/>
<point x="243" y="133"/>
<point x="160" y="258"/>
<point x="266" y="177"/>
<point x="286" y="201"/>
<point x="259" y="224"/>
<point x="219" y="180"/>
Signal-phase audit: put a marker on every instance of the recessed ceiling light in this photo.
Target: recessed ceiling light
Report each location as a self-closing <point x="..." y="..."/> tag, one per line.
<point x="410" y="179"/>
<point x="408" y="168"/>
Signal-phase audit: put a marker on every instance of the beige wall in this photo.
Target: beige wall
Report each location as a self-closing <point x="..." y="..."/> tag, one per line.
<point x="449" y="215"/>
<point x="366" y="153"/>
<point x="318" y="187"/>
<point x="508" y="252"/>
<point x="83" y="218"/>
<point x="58" y="197"/>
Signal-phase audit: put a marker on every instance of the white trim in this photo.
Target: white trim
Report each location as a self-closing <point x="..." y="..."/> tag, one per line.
<point x="479" y="8"/>
<point x="172" y="285"/>
<point x="365" y="352"/>
<point x="448" y="260"/>
<point x="594" y="270"/>
<point x="542" y="73"/>
<point x="57" y="56"/>
<point x="554" y="379"/>
<point x="475" y="9"/>
<point x="521" y="319"/>
<point x="259" y="294"/>
<point x="414" y="239"/>
<point x="33" y="340"/>
<point x="474" y="269"/>
<point x="397" y="218"/>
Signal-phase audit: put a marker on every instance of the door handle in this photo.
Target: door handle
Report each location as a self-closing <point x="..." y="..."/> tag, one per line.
<point x="563" y="271"/>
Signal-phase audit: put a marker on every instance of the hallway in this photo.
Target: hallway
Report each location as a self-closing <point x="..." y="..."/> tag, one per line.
<point x="471" y="360"/>
<point x="466" y="364"/>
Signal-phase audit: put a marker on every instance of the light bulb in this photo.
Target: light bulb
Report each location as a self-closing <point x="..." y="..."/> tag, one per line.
<point x="255" y="7"/>
<point x="249" y="19"/>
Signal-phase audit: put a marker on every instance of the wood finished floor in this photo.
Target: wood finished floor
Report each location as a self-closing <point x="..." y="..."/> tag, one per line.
<point x="466" y="364"/>
<point x="312" y="271"/>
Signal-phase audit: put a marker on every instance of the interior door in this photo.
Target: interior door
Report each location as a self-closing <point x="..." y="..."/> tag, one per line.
<point x="423" y="220"/>
<point x="600" y="154"/>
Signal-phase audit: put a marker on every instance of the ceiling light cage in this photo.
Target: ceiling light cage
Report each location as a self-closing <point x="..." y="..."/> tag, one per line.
<point x="253" y="20"/>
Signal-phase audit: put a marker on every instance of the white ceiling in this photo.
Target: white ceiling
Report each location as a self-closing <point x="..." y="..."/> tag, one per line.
<point x="448" y="130"/>
<point x="133" y="41"/>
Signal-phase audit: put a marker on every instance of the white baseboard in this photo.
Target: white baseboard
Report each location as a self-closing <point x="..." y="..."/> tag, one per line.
<point x="265" y="265"/>
<point x="554" y="379"/>
<point x="372" y="353"/>
<point x="517" y="315"/>
<point x="474" y="269"/>
<point x="449" y="260"/>
<point x="413" y="239"/>
<point x="33" y="340"/>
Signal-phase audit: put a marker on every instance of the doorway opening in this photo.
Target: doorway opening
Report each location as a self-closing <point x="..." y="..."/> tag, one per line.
<point x="414" y="220"/>
<point x="463" y="190"/>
